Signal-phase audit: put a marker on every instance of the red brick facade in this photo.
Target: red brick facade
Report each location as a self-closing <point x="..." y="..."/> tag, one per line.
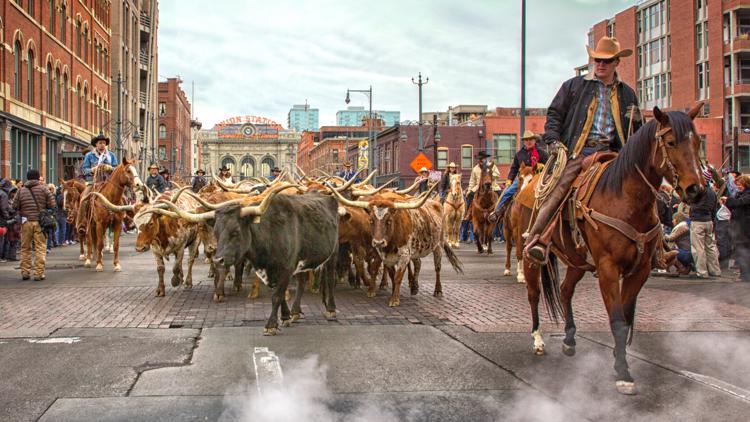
<point x="62" y="97"/>
<point x="175" y="150"/>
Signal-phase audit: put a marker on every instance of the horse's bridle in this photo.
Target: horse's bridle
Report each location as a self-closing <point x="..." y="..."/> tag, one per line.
<point x="665" y="160"/>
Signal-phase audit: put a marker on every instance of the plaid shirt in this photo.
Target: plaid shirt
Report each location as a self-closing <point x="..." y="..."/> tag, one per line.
<point x="603" y="125"/>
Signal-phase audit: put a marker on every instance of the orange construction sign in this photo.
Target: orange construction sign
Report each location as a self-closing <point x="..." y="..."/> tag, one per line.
<point x="420" y="161"/>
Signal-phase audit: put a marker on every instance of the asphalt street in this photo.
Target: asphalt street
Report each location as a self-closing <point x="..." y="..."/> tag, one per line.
<point x="99" y="346"/>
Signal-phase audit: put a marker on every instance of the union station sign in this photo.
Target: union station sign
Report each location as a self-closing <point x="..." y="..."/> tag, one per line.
<point x="248" y="127"/>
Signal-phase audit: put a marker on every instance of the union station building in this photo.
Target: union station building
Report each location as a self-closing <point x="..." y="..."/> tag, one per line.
<point x="249" y="146"/>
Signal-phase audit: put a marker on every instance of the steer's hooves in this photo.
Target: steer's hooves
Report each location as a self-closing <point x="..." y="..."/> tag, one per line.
<point x="568" y="350"/>
<point x="539" y="350"/>
<point x="159" y="292"/>
<point x="394" y="302"/>
<point x="117" y="268"/>
<point x="438" y="294"/>
<point x="99" y="268"/>
<point x="330" y="315"/>
<point x="295" y="317"/>
<point x="625" y="387"/>
<point x="414" y="291"/>
<point x="87" y="264"/>
<point x="286" y="322"/>
<point x="270" y="331"/>
<point x="218" y="298"/>
<point x="521" y="280"/>
<point x="371" y="294"/>
<point x="81" y="257"/>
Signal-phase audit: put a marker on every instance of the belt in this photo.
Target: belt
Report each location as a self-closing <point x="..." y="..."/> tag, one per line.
<point x="592" y="143"/>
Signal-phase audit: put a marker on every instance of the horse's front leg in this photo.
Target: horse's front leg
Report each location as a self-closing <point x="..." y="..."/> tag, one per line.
<point x="479" y="237"/>
<point x="116" y="246"/>
<point x="101" y="231"/>
<point x="572" y="277"/>
<point x="609" y="285"/>
<point x="631" y="286"/>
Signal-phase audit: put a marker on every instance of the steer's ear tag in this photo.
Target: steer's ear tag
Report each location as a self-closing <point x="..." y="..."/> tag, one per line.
<point x="256" y="220"/>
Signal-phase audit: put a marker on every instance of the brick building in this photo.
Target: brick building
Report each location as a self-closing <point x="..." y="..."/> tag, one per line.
<point x="654" y="29"/>
<point x="503" y="133"/>
<point x="56" y="80"/>
<point x="135" y="62"/>
<point x="310" y="140"/>
<point x="174" y="134"/>
<point x="329" y="155"/>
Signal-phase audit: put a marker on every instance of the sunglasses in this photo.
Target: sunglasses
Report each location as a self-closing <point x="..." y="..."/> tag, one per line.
<point x="605" y="61"/>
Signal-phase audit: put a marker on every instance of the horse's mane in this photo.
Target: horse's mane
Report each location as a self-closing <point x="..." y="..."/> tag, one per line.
<point x="637" y="150"/>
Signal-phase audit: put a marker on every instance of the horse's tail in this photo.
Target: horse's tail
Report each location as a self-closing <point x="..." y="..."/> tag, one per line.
<point x="551" y="288"/>
<point x="453" y="259"/>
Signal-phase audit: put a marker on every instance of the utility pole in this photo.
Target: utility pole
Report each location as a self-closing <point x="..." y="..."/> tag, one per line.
<point x="523" y="66"/>
<point x="118" y="123"/>
<point x="419" y="83"/>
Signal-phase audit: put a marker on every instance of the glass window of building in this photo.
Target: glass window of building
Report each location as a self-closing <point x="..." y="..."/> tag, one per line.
<point x="467" y="152"/>
<point x="504" y="147"/>
<point x="442" y="158"/>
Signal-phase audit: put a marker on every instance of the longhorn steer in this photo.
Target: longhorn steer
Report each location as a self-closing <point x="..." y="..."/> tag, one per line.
<point x="404" y="232"/>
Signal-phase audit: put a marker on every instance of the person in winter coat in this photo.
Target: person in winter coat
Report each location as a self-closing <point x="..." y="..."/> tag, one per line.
<point x="25" y="204"/>
<point x="445" y="181"/>
<point x="199" y="181"/>
<point x="680" y="237"/>
<point x="155" y="181"/>
<point x="702" y="242"/>
<point x="740" y="208"/>
<point x="5" y="214"/>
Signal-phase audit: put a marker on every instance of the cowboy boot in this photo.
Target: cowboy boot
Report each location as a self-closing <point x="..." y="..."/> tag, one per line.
<point x="536" y="248"/>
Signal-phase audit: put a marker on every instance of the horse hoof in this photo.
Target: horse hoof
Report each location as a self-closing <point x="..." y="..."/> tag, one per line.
<point x="539" y="350"/>
<point x="81" y="257"/>
<point x="206" y="261"/>
<point x="437" y="294"/>
<point x="568" y="350"/>
<point x="286" y="323"/>
<point x="218" y="298"/>
<point x="99" y="268"/>
<point x="175" y="282"/>
<point x="506" y="273"/>
<point x="371" y="294"/>
<point x="625" y="387"/>
<point x="159" y="293"/>
<point x="253" y="295"/>
<point x="295" y="317"/>
<point x="270" y="331"/>
<point x="330" y="315"/>
<point x="394" y="302"/>
<point x="188" y="284"/>
<point x="87" y="264"/>
<point x="521" y="280"/>
<point x="315" y="291"/>
<point x="414" y="291"/>
<point x="490" y="253"/>
<point x="117" y="268"/>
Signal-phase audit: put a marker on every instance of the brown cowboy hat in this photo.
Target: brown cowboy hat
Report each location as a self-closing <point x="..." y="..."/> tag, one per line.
<point x="224" y="168"/>
<point x="608" y="48"/>
<point x="527" y="134"/>
<point x="347" y="164"/>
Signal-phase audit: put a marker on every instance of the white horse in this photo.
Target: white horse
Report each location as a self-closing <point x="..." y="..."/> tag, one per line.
<point x="453" y="211"/>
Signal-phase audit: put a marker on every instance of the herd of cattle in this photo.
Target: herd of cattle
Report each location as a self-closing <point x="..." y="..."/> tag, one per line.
<point x="313" y="229"/>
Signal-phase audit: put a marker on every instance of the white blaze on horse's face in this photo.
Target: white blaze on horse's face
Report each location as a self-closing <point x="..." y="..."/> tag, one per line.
<point x="136" y="179"/>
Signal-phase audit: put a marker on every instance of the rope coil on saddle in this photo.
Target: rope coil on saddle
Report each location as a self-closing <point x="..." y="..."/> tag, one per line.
<point x="547" y="180"/>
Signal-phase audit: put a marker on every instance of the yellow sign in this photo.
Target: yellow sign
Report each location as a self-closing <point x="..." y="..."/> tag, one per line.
<point x="362" y="147"/>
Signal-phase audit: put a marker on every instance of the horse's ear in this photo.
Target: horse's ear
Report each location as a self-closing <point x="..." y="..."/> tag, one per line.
<point x="660" y="116"/>
<point x="522" y="166"/>
<point x="60" y="180"/>
<point x="695" y="110"/>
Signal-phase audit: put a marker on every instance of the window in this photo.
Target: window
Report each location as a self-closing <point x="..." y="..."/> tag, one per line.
<point x="638" y="22"/>
<point x="52" y="13"/>
<point x="504" y="146"/>
<point x="30" y="78"/>
<point x="162" y="132"/>
<point x="702" y="151"/>
<point x="78" y="38"/>
<point x="85" y="44"/>
<point x="247" y="168"/>
<point x="335" y="155"/>
<point x="49" y="88"/>
<point x="664" y="85"/>
<point x="745" y="115"/>
<point x="640" y="58"/>
<point x="442" y="158"/>
<point x="63" y="23"/>
<point x="86" y="107"/>
<point x="265" y="166"/>
<point x="744" y="156"/>
<point x="655" y="50"/>
<point x="17" y="70"/>
<point x="657" y="91"/>
<point x="51" y="160"/>
<point x="65" y="89"/>
<point x="467" y="152"/>
<point x="162" y="152"/>
<point x="58" y="82"/>
<point x="162" y="109"/>
<point x="79" y="117"/>
<point x="744" y="70"/>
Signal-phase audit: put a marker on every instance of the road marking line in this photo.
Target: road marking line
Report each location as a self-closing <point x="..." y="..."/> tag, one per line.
<point x="267" y="369"/>
<point x="55" y="340"/>
<point x="720" y="385"/>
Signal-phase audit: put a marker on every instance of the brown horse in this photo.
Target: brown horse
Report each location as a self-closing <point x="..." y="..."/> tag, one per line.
<point x="620" y="230"/>
<point x="525" y="174"/>
<point x="72" y="192"/>
<point x="101" y="218"/>
<point x="453" y="210"/>
<point x="481" y="207"/>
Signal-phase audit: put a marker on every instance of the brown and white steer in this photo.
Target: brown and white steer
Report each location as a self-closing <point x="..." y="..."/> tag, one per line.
<point x="403" y="232"/>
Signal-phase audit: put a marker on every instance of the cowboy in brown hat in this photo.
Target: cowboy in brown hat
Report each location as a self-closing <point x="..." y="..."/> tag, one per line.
<point x="348" y="172"/>
<point x="199" y="181"/>
<point x="155" y="180"/>
<point x="589" y="114"/>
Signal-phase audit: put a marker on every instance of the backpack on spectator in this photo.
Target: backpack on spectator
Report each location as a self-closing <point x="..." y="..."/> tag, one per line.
<point x="47" y="220"/>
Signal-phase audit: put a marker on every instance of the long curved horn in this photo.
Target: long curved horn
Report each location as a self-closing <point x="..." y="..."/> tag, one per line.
<point x="367" y="179"/>
<point x="111" y="206"/>
<point x="322" y="172"/>
<point x="347" y="183"/>
<point x="177" y="194"/>
<point x="407" y="190"/>
<point x="348" y="202"/>
<point x="258" y="210"/>
<point x="300" y="170"/>
<point x="180" y="213"/>
<point x="176" y="184"/>
<point x="211" y="206"/>
<point x="158" y="211"/>
<point x="415" y="203"/>
<point x="358" y="192"/>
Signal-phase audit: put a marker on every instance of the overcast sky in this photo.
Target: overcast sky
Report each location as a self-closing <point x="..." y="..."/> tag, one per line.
<point x="261" y="57"/>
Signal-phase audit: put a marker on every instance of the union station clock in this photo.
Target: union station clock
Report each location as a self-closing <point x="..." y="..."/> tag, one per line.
<point x="248" y="130"/>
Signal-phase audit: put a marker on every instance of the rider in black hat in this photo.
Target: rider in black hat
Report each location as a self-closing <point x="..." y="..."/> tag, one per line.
<point x="199" y="180"/>
<point x="476" y="176"/>
<point x="99" y="158"/>
<point x="274" y="173"/>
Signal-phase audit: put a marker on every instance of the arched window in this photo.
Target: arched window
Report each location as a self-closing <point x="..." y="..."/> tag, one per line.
<point x="85" y="44"/>
<point x="17" y="70"/>
<point x="229" y="162"/>
<point x="79" y="111"/>
<point x="106" y="62"/>
<point x="78" y="38"/>
<point x="265" y="166"/>
<point x="49" y="88"/>
<point x="52" y="13"/>
<point x="162" y="132"/>
<point x="65" y="89"/>
<point x="58" y="82"/>
<point x="247" y="167"/>
<point x="86" y="108"/>
<point x="30" y="77"/>
<point x="63" y="23"/>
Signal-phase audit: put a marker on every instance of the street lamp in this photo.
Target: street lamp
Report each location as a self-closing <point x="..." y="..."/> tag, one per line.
<point x="372" y="134"/>
<point x="436" y="137"/>
<point x="420" y="83"/>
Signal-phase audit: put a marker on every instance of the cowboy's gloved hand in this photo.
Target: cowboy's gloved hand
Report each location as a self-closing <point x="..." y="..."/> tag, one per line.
<point x="492" y="217"/>
<point x="106" y="167"/>
<point x="557" y="146"/>
<point x="508" y="183"/>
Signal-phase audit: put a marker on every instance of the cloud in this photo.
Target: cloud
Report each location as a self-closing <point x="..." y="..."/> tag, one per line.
<point x="258" y="57"/>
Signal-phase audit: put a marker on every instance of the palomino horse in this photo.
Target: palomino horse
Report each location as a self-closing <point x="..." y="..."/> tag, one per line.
<point x="101" y="218"/>
<point x="525" y="174"/>
<point x="620" y="231"/>
<point x="481" y="207"/>
<point x="453" y="211"/>
<point x="72" y="191"/>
